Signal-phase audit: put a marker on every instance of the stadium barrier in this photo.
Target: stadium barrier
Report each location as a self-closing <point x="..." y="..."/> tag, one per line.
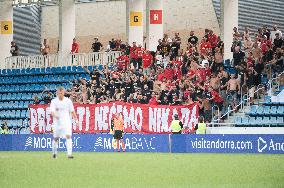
<point x="261" y="144"/>
<point x="52" y="60"/>
<point x="138" y="118"/>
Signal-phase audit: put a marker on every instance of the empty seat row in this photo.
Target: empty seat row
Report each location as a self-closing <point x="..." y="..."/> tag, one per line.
<point x="14" y="105"/>
<point x="17" y="123"/>
<point x="14" y="114"/>
<point x="259" y="121"/>
<point x="49" y="70"/>
<point x="9" y="97"/>
<point x="266" y="110"/>
<point x="31" y="88"/>
<point x="41" y="79"/>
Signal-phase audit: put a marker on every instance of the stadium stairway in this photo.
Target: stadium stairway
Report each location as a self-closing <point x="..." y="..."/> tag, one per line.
<point x="266" y="113"/>
<point x="19" y="86"/>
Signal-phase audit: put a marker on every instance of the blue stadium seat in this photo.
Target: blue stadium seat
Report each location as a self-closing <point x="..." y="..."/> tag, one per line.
<point x="4" y="72"/>
<point x="245" y="121"/>
<point x="259" y="111"/>
<point x="69" y="69"/>
<point x="266" y="121"/>
<point x="266" y="110"/>
<point x="280" y="111"/>
<point x="280" y="121"/>
<point x="238" y="121"/>
<point x="64" y="69"/>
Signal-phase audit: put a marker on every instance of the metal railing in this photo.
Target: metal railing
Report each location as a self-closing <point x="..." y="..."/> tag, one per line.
<point x="38" y="61"/>
<point x="246" y="98"/>
<point x="42" y="61"/>
<point x="271" y="83"/>
<point x="96" y="58"/>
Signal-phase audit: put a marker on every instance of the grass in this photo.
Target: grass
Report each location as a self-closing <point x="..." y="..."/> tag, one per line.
<point x="38" y="169"/>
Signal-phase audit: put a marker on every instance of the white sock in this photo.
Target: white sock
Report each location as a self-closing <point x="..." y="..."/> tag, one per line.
<point x="69" y="146"/>
<point x="54" y="147"/>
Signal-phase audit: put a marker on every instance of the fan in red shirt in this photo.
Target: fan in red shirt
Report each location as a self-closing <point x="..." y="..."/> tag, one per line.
<point x="177" y="72"/>
<point x="177" y="63"/>
<point x="122" y="62"/>
<point x="147" y="59"/>
<point x="212" y="39"/>
<point x="264" y="44"/>
<point x="153" y="100"/>
<point x="75" y="47"/>
<point x="139" y="51"/>
<point x="169" y="72"/>
<point x="217" y="99"/>
<point x="133" y="54"/>
<point x="204" y="46"/>
<point x="160" y="75"/>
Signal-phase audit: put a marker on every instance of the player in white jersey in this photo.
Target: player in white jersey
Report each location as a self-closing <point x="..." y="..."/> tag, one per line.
<point x="62" y="109"/>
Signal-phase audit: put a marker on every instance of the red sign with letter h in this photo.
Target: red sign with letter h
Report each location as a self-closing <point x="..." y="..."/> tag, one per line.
<point x="156" y="17"/>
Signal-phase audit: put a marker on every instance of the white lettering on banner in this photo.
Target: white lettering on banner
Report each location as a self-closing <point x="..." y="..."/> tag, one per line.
<point x="33" y="116"/>
<point x="165" y="117"/>
<point x="158" y="119"/>
<point x="156" y="17"/>
<point x="193" y="118"/>
<point x="107" y="143"/>
<point x="119" y="108"/>
<point x="138" y="114"/>
<point x="276" y="146"/>
<point x="99" y="112"/>
<point x="132" y="143"/>
<point x="148" y="119"/>
<point x="152" y="120"/>
<point x="105" y="119"/>
<point x="185" y="117"/>
<point x="87" y="119"/>
<point x="48" y="120"/>
<point x="81" y="113"/>
<point x="46" y="143"/>
<point x="41" y="119"/>
<point x="128" y="117"/>
<point x="220" y="144"/>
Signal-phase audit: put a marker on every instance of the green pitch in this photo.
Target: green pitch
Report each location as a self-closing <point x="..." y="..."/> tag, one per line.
<point x="38" y="169"/>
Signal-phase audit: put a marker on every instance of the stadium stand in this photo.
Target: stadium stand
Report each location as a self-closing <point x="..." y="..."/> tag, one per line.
<point x="18" y="87"/>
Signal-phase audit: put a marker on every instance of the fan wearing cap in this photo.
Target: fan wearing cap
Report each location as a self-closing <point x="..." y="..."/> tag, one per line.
<point x="176" y="125"/>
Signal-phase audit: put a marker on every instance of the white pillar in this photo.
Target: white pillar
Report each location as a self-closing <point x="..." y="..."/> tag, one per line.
<point x="134" y="18"/>
<point x="229" y="11"/>
<point x="155" y="23"/>
<point x="66" y="28"/>
<point x="6" y="32"/>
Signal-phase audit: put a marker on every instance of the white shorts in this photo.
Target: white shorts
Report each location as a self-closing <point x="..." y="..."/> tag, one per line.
<point x="60" y="131"/>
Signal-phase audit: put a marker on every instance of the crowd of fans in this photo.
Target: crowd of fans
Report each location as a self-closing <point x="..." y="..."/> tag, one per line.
<point x="174" y="76"/>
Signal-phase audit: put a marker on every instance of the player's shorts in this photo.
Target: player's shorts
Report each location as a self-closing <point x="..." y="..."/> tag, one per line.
<point x="118" y="134"/>
<point x="60" y="131"/>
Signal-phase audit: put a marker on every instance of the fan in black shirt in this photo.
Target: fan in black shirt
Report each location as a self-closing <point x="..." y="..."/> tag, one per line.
<point x="96" y="46"/>
<point x="192" y="39"/>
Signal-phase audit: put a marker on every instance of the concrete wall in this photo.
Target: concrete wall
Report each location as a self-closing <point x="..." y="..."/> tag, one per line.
<point x="6" y="14"/>
<point x="108" y="20"/>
